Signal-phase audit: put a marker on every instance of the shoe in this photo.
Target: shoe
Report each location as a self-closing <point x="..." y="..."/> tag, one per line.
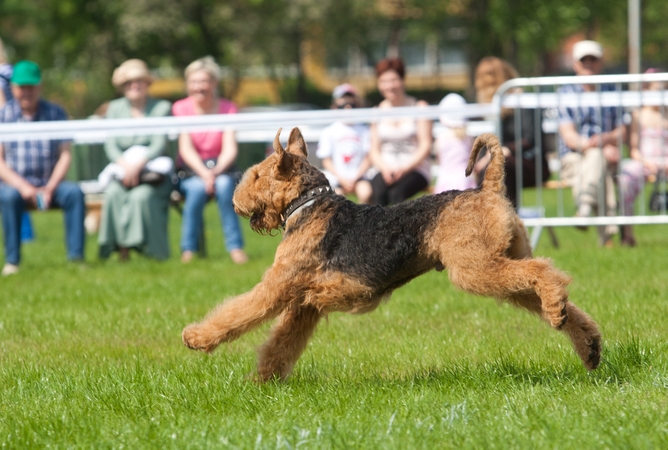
<point x="187" y="256"/>
<point x="239" y="256"/>
<point x="9" y="269"/>
<point x="606" y="242"/>
<point x="628" y="241"/>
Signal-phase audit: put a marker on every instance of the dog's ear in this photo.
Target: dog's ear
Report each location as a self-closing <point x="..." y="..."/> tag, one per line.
<point x="278" y="148"/>
<point x="296" y="144"/>
<point x="283" y="159"/>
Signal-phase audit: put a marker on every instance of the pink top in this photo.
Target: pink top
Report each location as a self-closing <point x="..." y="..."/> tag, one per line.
<point x="210" y="143"/>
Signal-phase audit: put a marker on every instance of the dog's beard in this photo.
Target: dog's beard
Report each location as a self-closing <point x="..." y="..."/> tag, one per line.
<point x="257" y="223"/>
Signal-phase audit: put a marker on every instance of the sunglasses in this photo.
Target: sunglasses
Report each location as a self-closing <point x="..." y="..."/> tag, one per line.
<point x="343" y="105"/>
<point x="589" y="58"/>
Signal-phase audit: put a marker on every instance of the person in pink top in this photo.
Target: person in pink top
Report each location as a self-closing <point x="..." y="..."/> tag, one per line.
<point x="209" y="159"/>
<point x="453" y="147"/>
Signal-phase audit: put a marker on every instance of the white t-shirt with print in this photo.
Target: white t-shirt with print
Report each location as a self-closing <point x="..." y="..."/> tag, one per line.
<point x="346" y="145"/>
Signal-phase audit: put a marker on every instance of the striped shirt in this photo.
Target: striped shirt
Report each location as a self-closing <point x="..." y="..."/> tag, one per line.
<point x="32" y="159"/>
<point x="5" y="77"/>
<point x="588" y="121"/>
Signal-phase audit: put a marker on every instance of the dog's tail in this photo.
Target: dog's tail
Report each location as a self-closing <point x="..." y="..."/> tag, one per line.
<point x="495" y="172"/>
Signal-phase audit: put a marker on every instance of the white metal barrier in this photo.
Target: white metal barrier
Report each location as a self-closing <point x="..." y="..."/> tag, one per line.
<point x="537" y="94"/>
<point x="544" y="97"/>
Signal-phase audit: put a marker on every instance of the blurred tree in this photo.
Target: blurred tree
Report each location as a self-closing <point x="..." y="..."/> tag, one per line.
<point x="79" y="42"/>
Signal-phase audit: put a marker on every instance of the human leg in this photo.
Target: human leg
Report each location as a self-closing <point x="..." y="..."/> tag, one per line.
<point x="409" y="185"/>
<point x="70" y="199"/>
<point x="153" y="205"/>
<point x="228" y="218"/>
<point x="12" y="206"/>
<point x="196" y="198"/>
<point x="363" y="190"/>
<point x="378" y="191"/>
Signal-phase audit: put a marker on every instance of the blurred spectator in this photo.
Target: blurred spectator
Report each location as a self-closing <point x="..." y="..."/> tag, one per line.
<point x="209" y="158"/>
<point x="5" y="76"/>
<point x="588" y="143"/>
<point x="32" y="170"/>
<point x="343" y="149"/>
<point x="399" y="148"/>
<point x="136" y="198"/>
<point x="453" y="148"/>
<point x="490" y="74"/>
<point x="649" y="155"/>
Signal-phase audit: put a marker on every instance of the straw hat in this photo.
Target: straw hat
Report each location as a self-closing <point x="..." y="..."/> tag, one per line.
<point x="132" y="69"/>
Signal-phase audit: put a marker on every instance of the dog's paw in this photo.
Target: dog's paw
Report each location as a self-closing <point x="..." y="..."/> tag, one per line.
<point x="194" y="338"/>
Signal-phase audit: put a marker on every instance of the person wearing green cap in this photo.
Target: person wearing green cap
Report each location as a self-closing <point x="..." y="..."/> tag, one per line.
<point x="32" y="170"/>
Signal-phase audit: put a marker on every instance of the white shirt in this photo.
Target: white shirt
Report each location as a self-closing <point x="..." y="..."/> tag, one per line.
<point x="346" y="145"/>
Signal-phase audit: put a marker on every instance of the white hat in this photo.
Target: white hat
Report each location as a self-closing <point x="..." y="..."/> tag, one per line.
<point x="587" y="48"/>
<point x="448" y="102"/>
<point x="342" y="90"/>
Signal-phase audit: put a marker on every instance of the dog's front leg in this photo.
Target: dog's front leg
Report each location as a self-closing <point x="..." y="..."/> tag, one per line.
<point x="287" y="342"/>
<point x="238" y="315"/>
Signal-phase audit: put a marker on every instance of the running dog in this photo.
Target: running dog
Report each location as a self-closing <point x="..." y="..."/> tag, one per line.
<point x="339" y="256"/>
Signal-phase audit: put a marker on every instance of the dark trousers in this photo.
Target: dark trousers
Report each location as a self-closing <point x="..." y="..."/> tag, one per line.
<point x="409" y="185"/>
<point x="529" y="171"/>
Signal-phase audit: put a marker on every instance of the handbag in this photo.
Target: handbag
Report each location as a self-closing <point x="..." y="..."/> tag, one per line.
<point x="658" y="201"/>
<point x="152" y="178"/>
<point x="184" y="171"/>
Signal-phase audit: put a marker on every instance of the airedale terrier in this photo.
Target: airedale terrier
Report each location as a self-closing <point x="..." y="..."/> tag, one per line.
<point x="340" y="256"/>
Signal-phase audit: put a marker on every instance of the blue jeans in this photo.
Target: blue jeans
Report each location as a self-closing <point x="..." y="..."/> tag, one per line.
<point x="196" y="198"/>
<point x="67" y="196"/>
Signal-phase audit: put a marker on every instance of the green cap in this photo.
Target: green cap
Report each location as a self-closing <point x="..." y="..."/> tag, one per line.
<point x="26" y="73"/>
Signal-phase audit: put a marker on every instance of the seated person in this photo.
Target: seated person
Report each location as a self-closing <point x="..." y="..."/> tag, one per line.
<point x="400" y="148"/>
<point x="135" y="212"/>
<point x="453" y="148"/>
<point x="490" y="74"/>
<point x="32" y="170"/>
<point x="588" y="144"/>
<point x="343" y="149"/>
<point x="649" y="155"/>
<point x="210" y="158"/>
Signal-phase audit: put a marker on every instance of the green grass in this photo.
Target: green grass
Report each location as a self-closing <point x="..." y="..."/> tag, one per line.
<point x="90" y="356"/>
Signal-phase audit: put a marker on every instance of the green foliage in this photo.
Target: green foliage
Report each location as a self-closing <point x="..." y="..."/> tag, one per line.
<point x="81" y="41"/>
<point x="90" y="356"/>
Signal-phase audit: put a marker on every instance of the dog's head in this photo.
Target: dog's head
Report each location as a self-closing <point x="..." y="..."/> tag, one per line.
<point x="267" y="188"/>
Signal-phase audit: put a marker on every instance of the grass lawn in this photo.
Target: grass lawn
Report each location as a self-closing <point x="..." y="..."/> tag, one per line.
<point x="91" y="356"/>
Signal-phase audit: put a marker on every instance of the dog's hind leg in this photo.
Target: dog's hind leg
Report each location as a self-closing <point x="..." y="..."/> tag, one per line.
<point x="238" y="315"/>
<point x="509" y="278"/>
<point x="287" y="342"/>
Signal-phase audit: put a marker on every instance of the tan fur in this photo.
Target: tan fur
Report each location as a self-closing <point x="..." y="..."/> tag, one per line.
<point x="479" y="240"/>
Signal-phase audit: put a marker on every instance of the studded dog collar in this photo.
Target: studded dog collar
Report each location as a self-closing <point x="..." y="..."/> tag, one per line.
<point x="304" y="198"/>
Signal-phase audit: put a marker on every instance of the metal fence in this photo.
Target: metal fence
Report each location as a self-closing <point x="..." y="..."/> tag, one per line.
<point x="623" y="96"/>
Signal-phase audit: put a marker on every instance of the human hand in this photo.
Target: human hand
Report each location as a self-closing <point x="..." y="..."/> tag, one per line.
<point x="611" y="154"/>
<point x="650" y="166"/>
<point x="388" y="176"/>
<point x="209" y="182"/>
<point x="29" y="193"/>
<point x="47" y="196"/>
<point x="131" y="178"/>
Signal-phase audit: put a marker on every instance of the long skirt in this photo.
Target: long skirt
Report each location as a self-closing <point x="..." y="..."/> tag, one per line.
<point x="135" y="218"/>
